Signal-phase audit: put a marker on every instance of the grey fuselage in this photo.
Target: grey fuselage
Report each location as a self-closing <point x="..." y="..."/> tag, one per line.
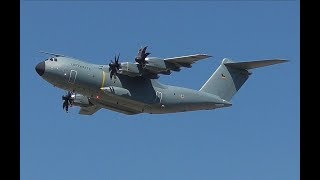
<point x="122" y="93"/>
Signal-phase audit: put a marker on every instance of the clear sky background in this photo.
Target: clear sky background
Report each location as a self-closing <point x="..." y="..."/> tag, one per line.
<point x="257" y="138"/>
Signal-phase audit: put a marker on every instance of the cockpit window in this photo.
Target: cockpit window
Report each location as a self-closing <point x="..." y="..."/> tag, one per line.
<point x="53" y="59"/>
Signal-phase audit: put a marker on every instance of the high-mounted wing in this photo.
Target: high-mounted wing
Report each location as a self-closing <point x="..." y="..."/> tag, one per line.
<point x="151" y="67"/>
<point x="155" y="66"/>
<point x="185" y="61"/>
<point x="89" y="110"/>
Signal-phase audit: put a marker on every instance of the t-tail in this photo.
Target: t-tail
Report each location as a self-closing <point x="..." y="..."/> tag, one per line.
<point x="230" y="76"/>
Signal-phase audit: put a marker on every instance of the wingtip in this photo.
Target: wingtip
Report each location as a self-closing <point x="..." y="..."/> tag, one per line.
<point x="281" y="60"/>
<point x="206" y="55"/>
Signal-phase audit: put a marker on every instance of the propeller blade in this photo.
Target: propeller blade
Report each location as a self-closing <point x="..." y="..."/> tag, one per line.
<point x="141" y="57"/>
<point x="114" y="66"/>
<point x="67" y="101"/>
<point x="144" y="49"/>
<point x="64" y="104"/>
<point x="118" y="58"/>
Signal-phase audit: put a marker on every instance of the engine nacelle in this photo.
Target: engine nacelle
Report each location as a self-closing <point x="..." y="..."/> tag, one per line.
<point x="155" y="65"/>
<point x="129" y="69"/>
<point x="80" y="100"/>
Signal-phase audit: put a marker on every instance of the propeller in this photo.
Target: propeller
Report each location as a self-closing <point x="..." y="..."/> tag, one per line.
<point x="67" y="101"/>
<point x="141" y="57"/>
<point x="114" y="66"/>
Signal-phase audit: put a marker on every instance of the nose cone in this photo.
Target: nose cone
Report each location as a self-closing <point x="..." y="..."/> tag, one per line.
<point x="40" y="68"/>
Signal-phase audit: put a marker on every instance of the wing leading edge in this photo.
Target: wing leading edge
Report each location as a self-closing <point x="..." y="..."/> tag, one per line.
<point x="185" y="61"/>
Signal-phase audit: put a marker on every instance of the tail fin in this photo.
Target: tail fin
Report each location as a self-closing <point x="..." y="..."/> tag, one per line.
<point x="230" y="76"/>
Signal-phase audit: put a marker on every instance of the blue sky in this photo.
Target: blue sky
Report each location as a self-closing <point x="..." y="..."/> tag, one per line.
<point x="257" y="138"/>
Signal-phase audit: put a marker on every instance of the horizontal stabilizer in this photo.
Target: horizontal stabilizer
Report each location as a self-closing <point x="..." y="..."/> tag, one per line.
<point x="252" y="64"/>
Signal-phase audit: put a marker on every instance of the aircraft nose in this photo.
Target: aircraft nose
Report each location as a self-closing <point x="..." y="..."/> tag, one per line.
<point x="40" y="68"/>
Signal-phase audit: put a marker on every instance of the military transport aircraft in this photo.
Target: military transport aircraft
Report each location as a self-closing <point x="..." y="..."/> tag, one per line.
<point x="132" y="88"/>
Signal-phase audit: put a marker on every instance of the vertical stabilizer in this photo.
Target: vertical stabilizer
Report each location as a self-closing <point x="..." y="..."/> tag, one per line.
<point x="230" y="76"/>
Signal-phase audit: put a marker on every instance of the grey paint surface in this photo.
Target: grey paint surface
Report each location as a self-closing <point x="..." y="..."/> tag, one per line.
<point x="139" y="94"/>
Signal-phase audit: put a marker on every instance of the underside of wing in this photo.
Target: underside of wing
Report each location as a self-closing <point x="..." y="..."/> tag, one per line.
<point x="122" y="109"/>
<point x="89" y="110"/>
<point x="125" y="106"/>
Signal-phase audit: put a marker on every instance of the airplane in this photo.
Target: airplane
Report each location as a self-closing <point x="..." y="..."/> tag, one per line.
<point x="132" y="88"/>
